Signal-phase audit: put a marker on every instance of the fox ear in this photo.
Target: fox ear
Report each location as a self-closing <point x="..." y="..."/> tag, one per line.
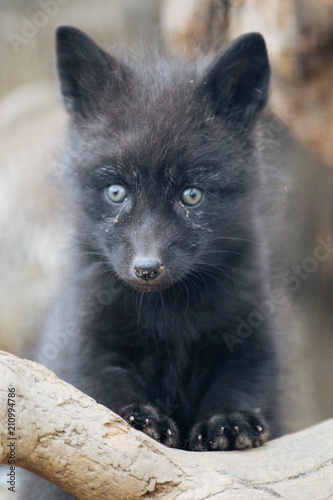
<point x="237" y="81"/>
<point x="84" y="70"/>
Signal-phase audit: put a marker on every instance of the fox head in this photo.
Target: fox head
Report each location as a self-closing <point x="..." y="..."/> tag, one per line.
<point x="161" y="163"/>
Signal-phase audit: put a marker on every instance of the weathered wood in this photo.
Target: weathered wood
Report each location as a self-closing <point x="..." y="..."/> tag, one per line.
<point x="69" y="439"/>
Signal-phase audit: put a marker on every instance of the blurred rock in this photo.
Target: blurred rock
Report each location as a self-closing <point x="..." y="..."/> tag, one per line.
<point x="31" y="234"/>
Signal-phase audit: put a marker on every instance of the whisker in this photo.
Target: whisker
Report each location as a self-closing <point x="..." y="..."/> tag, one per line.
<point x="187" y="277"/>
<point x="213" y="252"/>
<point x="233" y="238"/>
<point x="139" y="308"/>
<point x="182" y="283"/>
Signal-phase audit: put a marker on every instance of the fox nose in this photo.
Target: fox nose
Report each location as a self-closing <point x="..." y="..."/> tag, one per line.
<point x="147" y="269"/>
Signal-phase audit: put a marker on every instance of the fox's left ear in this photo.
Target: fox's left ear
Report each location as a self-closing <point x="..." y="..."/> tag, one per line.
<point x="237" y="80"/>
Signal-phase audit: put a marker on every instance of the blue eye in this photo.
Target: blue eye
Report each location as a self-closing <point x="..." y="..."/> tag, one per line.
<point x="191" y="196"/>
<point x="116" y="193"/>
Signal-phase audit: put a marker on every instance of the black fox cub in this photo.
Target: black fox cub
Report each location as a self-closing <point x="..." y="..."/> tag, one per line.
<point x="164" y="183"/>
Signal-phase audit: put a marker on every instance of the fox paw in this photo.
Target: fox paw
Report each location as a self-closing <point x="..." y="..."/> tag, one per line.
<point x="148" y="419"/>
<point x="232" y="431"/>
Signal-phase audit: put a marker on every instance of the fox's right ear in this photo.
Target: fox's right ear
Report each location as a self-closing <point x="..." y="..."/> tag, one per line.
<point x="84" y="71"/>
<point x="237" y="81"/>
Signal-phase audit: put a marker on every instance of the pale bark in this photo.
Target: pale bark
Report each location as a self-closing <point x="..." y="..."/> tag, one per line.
<point x="69" y="439"/>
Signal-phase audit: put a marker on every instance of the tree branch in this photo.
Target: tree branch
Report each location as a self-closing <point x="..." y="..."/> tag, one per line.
<point x="81" y="446"/>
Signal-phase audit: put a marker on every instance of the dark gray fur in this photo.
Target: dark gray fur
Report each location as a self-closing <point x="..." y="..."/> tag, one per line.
<point x="169" y="349"/>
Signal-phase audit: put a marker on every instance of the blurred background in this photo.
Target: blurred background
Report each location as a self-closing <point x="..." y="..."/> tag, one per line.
<point x="298" y="125"/>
